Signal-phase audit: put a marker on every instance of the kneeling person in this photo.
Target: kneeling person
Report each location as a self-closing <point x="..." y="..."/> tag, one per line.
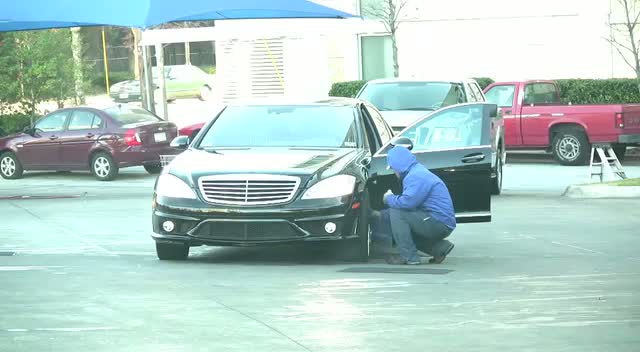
<point x="423" y="215"/>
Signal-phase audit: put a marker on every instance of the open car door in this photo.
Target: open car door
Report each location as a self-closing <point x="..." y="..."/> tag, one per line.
<point x="454" y="143"/>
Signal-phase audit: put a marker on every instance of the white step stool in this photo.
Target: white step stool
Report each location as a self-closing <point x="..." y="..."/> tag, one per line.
<point x="609" y="165"/>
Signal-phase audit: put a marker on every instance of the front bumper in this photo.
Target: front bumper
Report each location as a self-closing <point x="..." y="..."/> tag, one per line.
<point x="125" y="97"/>
<point x="629" y="139"/>
<point x="198" y="224"/>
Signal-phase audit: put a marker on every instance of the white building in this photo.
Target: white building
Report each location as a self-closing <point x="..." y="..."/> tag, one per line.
<point x="501" y="39"/>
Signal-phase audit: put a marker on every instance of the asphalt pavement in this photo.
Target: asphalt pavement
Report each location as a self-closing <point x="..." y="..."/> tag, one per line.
<point x="79" y="272"/>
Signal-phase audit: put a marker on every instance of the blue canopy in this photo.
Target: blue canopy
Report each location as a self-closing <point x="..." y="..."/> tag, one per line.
<point x="17" y="15"/>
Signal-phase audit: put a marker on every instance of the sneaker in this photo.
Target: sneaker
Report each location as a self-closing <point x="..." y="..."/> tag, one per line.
<point x="398" y="260"/>
<point x="439" y="259"/>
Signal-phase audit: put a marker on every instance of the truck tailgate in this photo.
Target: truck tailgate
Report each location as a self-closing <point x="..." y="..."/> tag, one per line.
<point x="631" y="118"/>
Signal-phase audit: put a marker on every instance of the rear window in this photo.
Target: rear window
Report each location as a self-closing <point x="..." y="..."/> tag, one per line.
<point x="127" y="115"/>
<point x="413" y="95"/>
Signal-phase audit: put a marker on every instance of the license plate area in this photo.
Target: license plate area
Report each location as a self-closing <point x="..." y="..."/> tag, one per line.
<point x="160" y="137"/>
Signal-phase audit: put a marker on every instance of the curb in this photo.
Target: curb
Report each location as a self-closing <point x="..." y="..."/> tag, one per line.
<point x="602" y="191"/>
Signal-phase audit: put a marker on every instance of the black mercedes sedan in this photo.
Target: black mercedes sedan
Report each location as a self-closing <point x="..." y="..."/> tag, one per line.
<point x="260" y="174"/>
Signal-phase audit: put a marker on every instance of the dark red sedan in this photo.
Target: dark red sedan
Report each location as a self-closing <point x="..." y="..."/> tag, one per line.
<point x="101" y="140"/>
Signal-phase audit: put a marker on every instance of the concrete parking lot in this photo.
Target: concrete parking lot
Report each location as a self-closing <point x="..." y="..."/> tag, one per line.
<point x="79" y="272"/>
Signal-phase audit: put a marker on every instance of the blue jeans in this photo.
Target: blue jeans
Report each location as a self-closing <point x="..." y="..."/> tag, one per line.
<point x="410" y="230"/>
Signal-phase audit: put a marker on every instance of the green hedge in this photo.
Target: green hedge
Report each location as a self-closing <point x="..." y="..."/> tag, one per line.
<point x="14" y="123"/>
<point x="599" y="91"/>
<point x="574" y="91"/>
<point x="347" y="89"/>
<point x="483" y="82"/>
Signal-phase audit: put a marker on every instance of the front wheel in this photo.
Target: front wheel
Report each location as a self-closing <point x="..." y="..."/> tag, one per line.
<point x="571" y="147"/>
<point x="10" y="166"/>
<point x="172" y="251"/>
<point x="103" y="167"/>
<point x="360" y="247"/>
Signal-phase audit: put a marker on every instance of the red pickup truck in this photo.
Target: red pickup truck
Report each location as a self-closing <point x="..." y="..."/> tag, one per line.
<point x="534" y="118"/>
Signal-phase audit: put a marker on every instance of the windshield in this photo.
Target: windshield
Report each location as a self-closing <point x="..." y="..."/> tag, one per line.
<point x="127" y="115"/>
<point x="413" y="95"/>
<point x="283" y="126"/>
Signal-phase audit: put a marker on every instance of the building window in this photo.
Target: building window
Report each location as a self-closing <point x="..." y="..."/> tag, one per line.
<point x="376" y="57"/>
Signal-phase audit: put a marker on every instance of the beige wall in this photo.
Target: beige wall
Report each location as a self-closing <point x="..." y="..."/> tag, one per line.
<point x="502" y="39"/>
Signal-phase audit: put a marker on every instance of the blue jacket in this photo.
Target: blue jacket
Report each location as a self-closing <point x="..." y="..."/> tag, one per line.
<point x="421" y="189"/>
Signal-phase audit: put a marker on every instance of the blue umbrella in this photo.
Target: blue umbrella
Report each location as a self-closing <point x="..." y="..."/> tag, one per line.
<point x="19" y="15"/>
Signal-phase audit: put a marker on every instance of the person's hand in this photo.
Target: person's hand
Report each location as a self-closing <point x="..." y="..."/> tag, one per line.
<point x="387" y="195"/>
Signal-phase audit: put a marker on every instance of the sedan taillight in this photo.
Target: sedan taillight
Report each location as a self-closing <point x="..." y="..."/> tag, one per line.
<point x="132" y="138"/>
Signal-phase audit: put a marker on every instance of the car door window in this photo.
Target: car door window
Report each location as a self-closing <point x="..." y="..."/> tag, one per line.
<point x="456" y="127"/>
<point x="472" y="95"/>
<point x="84" y="120"/>
<point x="52" y="123"/>
<point x="384" y="133"/>
<point x="540" y="94"/>
<point x="477" y="92"/>
<point x="501" y="95"/>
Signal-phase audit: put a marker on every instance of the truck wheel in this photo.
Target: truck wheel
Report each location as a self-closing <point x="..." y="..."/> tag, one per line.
<point x="620" y="150"/>
<point x="571" y="146"/>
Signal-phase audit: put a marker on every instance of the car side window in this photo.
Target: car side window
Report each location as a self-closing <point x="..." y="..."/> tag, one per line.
<point x="52" y="123"/>
<point x="372" y="142"/>
<point x="477" y="92"/>
<point x="84" y="120"/>
<point x="472" y="95"/>
<point x="540" y="93"/>
<point x="501" y="95"/>
<point x="456" y="127"/>
<point x="378" y="121"/>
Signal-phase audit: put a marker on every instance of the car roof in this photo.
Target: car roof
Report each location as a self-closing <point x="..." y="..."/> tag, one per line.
<point x="419" y="79"/>
<point x="284" y="101"/>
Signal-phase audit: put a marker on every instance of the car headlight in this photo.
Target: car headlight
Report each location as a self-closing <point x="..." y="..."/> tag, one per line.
<point x="333" y="187"/>
<point x="170" y="186"/>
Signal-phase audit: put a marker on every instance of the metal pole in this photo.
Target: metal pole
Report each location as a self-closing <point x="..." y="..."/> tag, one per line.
<point x="106" y="62"/>
<point x="161" y="82"/>
<point x="148" y="90"/>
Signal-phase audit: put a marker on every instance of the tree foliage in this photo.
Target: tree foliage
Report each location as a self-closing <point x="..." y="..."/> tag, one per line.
<point x="35" y="66"/>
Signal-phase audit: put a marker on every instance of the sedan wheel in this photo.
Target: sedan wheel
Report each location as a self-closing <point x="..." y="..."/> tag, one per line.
<point x="103" y="167"/>
<point x="10" y="167"/>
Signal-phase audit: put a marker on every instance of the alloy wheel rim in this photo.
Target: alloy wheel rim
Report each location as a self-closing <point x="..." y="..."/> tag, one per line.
<point x="8" y="166"/>
<point x="102" y="166"/>
<point x="569" y="147"/>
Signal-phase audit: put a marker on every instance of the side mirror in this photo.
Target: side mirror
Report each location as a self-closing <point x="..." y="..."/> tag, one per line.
<point x="402" y="141"/>
<point x="180" y="142"/>
<point x="29" y="130"/>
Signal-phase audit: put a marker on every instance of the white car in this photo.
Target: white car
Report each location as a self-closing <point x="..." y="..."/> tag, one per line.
<point x="403" y="101"/>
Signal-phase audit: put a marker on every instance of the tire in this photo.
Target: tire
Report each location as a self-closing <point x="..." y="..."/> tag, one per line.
<point x="620" y="151"/>
<point x="496" y="182"/>
<point x="205" y="93"/>
<point x="153" y="169"/>
<point x="359" y="248"/>
<point x="103" y="167"/>
<point x="10" y="166"/>
<point x="571" y="146"/>
<point x="172" y="251"/>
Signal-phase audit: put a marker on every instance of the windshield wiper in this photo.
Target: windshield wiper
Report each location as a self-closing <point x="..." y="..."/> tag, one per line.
<point x="212" y="151"/>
